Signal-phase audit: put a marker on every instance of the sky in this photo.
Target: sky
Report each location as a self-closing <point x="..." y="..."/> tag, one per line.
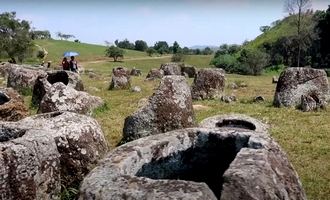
<point x="189" y="22"/>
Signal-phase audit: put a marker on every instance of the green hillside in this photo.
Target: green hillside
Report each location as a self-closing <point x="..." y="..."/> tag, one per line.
<point x="88" y="52"/>
<point x="285" y="27"/>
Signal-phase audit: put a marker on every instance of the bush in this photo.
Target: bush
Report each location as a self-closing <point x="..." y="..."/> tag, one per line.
<point x="40" y="54"/>
<point x="227" y="62"/>
<point x="178" y="57"/>
<point x="253" y="60"/>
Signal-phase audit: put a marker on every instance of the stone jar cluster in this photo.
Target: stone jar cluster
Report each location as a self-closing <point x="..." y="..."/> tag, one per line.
<point x="227" y="157"/>
<point x="39" y="154"/>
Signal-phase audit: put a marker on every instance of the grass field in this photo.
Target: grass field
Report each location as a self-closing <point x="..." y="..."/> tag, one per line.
<point x="304" y="136"/>
<point x="88" y="52"/>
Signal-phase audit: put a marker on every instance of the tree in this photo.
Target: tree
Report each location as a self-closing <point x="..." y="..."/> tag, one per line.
<point x="64" y="36"/>
<point x="264" y="29"/>
<point x="151" y="51"/>
<point x="207" y="51"/>
<point x="115" y="53"/>
<point x="15" y="36"/>
<point x="176" y="47"/>
<point x="125" y="44"/>
<point x="254" y="59"/>
<point x="40" y="35"/>
<point x="161" y="47"/>
<point x="141" y="45"/>
<point x="298" y="8"/>
<point x="324" y="34"/>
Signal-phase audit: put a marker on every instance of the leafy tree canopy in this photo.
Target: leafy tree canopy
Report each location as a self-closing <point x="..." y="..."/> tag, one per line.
<point x="15" y="37"/>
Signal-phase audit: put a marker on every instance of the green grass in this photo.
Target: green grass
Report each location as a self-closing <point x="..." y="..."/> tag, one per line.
<point x="88" y="52"/>
<point x="304" y="136"/>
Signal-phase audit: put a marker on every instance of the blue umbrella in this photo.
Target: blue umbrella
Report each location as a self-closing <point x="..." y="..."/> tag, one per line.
<point x="70" y="53"/>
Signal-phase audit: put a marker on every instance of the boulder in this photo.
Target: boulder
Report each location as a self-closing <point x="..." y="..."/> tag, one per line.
<point x="120" y="79"/>
<point x="136" y="89"/>
<point x="23" y="78"/>
<point x="233" y="86"/>
<point x="208" y="84"/>
<point x="228" y="99"/>
<point x="258" y="99"/>
<point x="155" y="74"/>
<point x="311" y="102"/>
<point x="169" y="108"/>
<point x="274" y="79"/>
<point x="30" y="163"/>
<point x="195" y="163"/>
<point x="79" y="140"/>
<point x="135" y="72"/>
<point x="171" y="69"/>
<point x="44" y="82"/>
<point x="60" y="97"/>
<point x="237" y="121"/>
<point x="4" y="69"/>
<point x="295" y="82"/>
<point x="12" y="107"/>
<point x="189" y="71"/>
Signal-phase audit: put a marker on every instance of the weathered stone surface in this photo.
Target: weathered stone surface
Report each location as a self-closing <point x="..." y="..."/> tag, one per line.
<point x="120" y="78"/>
<point x="79" y="140"/>
<point x="30" y="165"/>
<point x="169" y="108"/>
<point x="312" y="103"/>
<point x="195" y="163"/>
<point x="4" y="69"/>
<point x="208" y="84"/>
<point x="233" y="86"/>
<point x="22" y="78"/>
<point x="44" y="82"/>
<point x="228" y="99"/>
<point x="189" y="71"/>
<point x="12" y="107"/>
<point x="155" y="74"/>
<point x="60" y="97"/>
<point x="234" y="121"/>
<point x="295" y="82"/>
<point x="171" y="69"/>
<point x="259" y="99"/>
<point x="135" y="72"/>
<point x="136" y="89"/>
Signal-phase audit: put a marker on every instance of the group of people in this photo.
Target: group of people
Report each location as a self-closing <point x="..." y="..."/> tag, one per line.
<point x="71" y="65"/>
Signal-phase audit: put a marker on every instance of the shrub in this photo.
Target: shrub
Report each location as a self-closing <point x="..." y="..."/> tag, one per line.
<point x="178" y="57"/>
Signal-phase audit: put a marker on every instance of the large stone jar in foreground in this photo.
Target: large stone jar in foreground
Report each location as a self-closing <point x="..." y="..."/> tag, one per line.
<point x="232" y="161"/>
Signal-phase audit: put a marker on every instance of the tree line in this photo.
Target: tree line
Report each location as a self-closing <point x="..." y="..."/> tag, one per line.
<point x="160" y="47"/>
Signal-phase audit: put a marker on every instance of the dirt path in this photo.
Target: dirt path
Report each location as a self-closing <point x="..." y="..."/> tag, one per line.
<point x="125" y="59"/>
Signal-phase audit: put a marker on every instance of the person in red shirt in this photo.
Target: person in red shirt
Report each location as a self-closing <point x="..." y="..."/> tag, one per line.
<point x="65" y="64"/>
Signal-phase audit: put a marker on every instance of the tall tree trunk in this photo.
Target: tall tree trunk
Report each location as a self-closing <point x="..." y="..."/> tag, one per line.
<point x="299" y="27"/>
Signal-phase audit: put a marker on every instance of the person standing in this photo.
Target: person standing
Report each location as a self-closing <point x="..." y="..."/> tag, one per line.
<point x="65" y="64"/>
<point x="73" y="65"/>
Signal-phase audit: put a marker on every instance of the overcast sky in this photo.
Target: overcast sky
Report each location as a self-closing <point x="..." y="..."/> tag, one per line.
<point x="190" y="22"/>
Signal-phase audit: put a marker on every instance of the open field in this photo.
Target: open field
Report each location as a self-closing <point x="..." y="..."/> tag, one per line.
<point x="88" y="52"/>
<point x="304" y="136"/>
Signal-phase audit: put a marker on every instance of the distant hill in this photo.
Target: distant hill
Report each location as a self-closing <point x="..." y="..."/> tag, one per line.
<point x="88" y="52"/>
<point x="202" y="47"/>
